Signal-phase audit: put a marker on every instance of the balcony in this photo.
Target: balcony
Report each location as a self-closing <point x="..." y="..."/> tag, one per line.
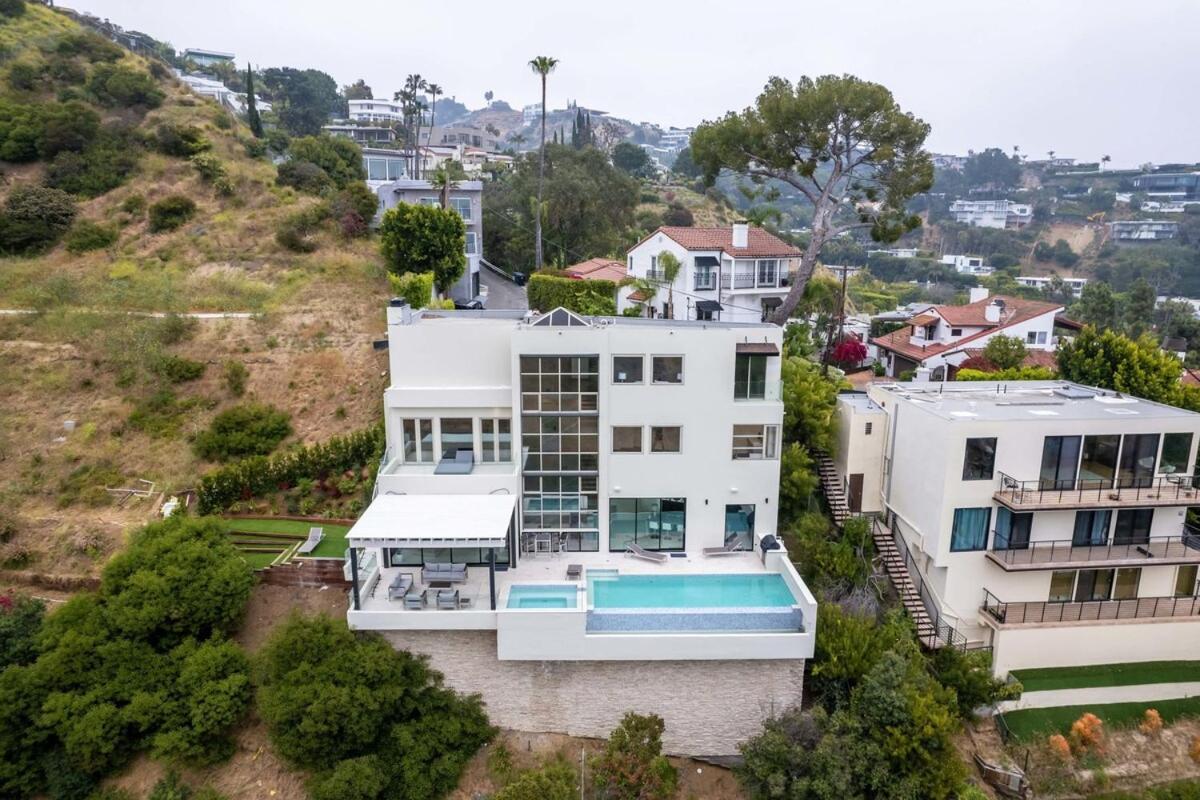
<point x="1049" y="495"/>
<point x="1089" y="612"/>
<point x="754" y="279"/>
<point x="1065" y="554"/>
<point x="757" y="390"/>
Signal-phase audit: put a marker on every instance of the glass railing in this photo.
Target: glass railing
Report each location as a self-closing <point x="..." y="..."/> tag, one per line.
<point x="757" y="390"/>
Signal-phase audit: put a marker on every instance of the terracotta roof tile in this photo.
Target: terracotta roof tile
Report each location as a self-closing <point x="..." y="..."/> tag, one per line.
<point x="1016" y="310"/>
<point x="598" y="269"/>
<point x="759" y="243"/>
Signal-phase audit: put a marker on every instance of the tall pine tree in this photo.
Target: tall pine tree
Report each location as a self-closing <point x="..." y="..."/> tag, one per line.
<point x="252" y="106"/>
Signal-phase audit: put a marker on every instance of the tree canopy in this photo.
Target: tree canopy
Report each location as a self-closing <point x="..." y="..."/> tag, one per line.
<point x="992" y="168"/>
<point x="843" y="143"/>
<point x="302" y="99"/>
<point x="632" y="160"/>
<point x="1111" y="361"/>
<point x="338" y="157"/>
<point x="421" y="238"/>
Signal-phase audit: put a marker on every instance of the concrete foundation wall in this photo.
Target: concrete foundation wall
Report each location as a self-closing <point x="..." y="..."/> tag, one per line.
<point x="709" y="706"/>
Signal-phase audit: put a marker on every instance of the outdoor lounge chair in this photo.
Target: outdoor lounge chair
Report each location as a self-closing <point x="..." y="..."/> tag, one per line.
<point x="415" y="600"/>
<point x="447" y="599"/>
<point x="400" y="585"/>
<point x="724" y="550"/>
<point x="637" y="551"/>
<point x="574" y="572"/>
<point x="315" y="535"/>
<point x="453" y="573"/>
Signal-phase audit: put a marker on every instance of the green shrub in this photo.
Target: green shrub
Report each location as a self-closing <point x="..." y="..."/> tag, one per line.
<point x="34" y="218"/>
<point x="42" y="130"/>
<point x="553" y="781"/>
<point x="340" y="158"/>
<point x="304" y="176"/>
<point x="134" y="205"/>
<point x="178" y="370"/>
<point x="235" y="374"/>
<point x="632" y="766"/>
<point x="241" y="431"/>
<point x="100" y="167"/>
<point x="117" y="85"/>
<point x="548" y="292"/>
<point x="23" y="76"/>
<point x="92" y="46"/>
<point x="416" y="288"/>
<point x="296" y="231"/>
<point x="421" y="238"/>
<point x="20" y="622"/>
<point x="181" y="141"/>
<point x="255" y="148"/>
<point x="86" y="236"/>
<point x="251" y="477"/>
<point x="208" y="165"/>
<point x="86" y="484"/>
<point x="160" y="415"/>
<point x="66" y="71"/>
<point x="353" y="208"/>
<point x="171" y="212"/>
<point x="12" y="8"/>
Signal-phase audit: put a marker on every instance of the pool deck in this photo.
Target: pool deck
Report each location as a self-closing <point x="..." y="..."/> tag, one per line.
<point x="553" y="569"/>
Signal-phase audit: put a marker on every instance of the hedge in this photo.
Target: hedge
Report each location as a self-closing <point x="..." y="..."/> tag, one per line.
<point x="415" y="287"/>
<point x="260" y="475"/>
<point x="547" y="292"/>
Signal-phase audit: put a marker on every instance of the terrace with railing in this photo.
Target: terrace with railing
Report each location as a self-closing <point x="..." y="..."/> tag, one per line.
<point x="1182" y="548"/>
<point x="1090" y="611"/>
<point x="1049" y="495"/>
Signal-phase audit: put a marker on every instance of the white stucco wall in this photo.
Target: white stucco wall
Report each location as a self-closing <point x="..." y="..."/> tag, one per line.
<point x="1102" y="643"/>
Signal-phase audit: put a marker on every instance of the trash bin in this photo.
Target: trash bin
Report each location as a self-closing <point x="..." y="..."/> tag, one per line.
<point x="519" y="278"/>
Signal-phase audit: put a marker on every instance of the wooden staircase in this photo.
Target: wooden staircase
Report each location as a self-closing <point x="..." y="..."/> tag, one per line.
<point x="831" y="485"/>
<point x="897" y="570"/>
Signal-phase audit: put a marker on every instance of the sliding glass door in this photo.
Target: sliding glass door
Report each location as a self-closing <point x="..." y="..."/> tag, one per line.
<point x="1139" y="453"/>
<point x="1098" y="466"/>
<point x="1060" y="460"/>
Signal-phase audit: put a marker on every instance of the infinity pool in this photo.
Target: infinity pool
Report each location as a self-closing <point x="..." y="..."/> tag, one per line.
<point x="542" y="596"/>
<point x="761" y="590"/>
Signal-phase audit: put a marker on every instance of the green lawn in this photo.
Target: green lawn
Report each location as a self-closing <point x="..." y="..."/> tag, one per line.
<point x="1177" y="790"/>
<point x="1035" y="680"/>
<point x="332" y="546"/>
<point x="259" y="560"/>
<point x="1036" y="723"/>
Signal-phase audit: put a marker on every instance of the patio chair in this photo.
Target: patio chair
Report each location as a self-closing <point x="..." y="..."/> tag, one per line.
<point x="315" y="535"/>
<point x="447" y="599"/>
<point x="400" y="585"/>
<point x="414" y="600"/>
<point x="574" y="572"/>
<point x="637" y="551"/>
<point x="724" y="550"/>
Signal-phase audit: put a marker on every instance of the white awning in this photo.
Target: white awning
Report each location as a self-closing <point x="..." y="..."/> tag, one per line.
<point x="435" y="520"/>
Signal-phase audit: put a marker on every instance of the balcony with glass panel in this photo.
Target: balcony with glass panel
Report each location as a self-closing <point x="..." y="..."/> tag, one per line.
<point x="1126" y="548"/>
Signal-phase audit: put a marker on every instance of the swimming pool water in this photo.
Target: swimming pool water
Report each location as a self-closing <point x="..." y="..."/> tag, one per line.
<point x="542" y="596"/>
<point x="762" y="590"/>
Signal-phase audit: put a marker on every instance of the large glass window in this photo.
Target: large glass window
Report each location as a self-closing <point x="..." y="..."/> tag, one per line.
<point x="627" y="369"/>
<point x="1133" y="526"/>
<point x="1062" y="585"/>
<point x="1060" y="459"/>
<point x="1012" y="530"/>
<point x="1138" y="454"/>
<point x="1098" y="465"/>
<point x="1186" y="580"/>
<point x="980" y="459"/>
<point x="457" y="434"/>
<point x="463" y="206"/>
<point x="1091" y="528"/>
<point x="417" y="556"/>
<point x="664" y="438"/>
<point x="739" y="525"/>
<point x="1126" y="585"/>
<point x="667" y="369"/>
<point x="472" y="244"/>
<point x="653" y="523"/>
<point x="1176" y="453"/>
<point x="750" y="377"/>
<point x="970" y="530"/>
<point x="627" y="438"/>
<point x="496" y="439"/>
<point x="755" y="442"/>
<point x="417" y="440"/>
<point x="768" y="272"/>
<point x="1093" y="585"/>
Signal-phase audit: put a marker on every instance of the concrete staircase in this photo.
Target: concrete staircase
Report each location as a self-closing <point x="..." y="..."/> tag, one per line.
<point x="897" y="570"/>
<point x="831" y="485"/>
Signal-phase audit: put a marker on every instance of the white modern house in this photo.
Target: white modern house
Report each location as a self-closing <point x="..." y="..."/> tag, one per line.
<point x="1143" y="230"/>
<point x="568" y="503"/>
<point x="736" y="274"/>
<point x="375" y="110"/>
<point x="934" y="342"/>
<point x="967" y="265"/>
<point x="992" y="213"/>
<point x="1044" y="282"/>
<point x="1043" y="519"/>
<point x="206" y="58"/>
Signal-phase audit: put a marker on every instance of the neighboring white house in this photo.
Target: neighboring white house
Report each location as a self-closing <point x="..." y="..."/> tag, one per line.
<point x="363" y="134"/>
<point x="527" y="456"/>
<point x="207" y="87"/>
<point x="375" y="110"/>
<point x="1143" y="230"/>
<point x="1042" y="518"/>
<point x="206" y="58"/>
<point x="942" y="337"/>
<point x="734" y="274"/>
<point x="1044" y="281"/>
<point x="992" y="213"/>
<point x="531" y="113"/>
<point x="967" y="265"/>
<point x="895" y="252"/>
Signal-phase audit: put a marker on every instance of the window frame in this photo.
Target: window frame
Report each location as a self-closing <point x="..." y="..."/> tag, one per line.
<point x="987" y="523"/>
<point x="641" y="369"/>
<point x="769" y="448"/>
<point x="682" y="370"/>
<point x="678" y="438"/>
<point x="969" y="474"/>
<point x="641" y="439"/>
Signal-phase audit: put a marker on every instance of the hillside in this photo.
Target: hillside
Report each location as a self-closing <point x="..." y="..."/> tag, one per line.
<point x="302" y="323"/>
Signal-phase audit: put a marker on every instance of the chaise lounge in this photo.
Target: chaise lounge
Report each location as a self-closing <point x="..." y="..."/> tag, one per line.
<point x="637" y="551"/>
<point x="400" y="585"/>
<point x="315" y="535"/>
<point x="452" y="573"/>
<point x="724" y="550"/>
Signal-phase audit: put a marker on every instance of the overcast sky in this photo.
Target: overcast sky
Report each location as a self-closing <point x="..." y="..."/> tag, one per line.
<point x="1081" y="77"/>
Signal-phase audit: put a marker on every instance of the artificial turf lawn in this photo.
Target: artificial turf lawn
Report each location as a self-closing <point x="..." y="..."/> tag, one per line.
<point x="332" y="546"/>
<point x="1035" y="680"/>
<point x="1034" y="723"/>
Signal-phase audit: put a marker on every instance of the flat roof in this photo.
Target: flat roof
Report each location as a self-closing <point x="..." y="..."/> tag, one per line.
<point x="435" y="520"/>
<point x="1031" y="401"/>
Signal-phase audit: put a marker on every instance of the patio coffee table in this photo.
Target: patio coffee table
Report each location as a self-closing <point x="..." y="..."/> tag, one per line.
<point x="440" y="585"/>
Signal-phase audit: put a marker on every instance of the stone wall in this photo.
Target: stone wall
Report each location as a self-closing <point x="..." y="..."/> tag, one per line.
<point x="709" y="706"/>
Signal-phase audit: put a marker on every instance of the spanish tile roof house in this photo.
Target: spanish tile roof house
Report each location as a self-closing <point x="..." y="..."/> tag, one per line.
<point x="603" y="269"/>
<point x="943" y="337"/>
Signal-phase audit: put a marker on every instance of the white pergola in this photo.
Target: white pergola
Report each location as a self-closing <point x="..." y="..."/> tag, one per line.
<point x="435" y="520"/>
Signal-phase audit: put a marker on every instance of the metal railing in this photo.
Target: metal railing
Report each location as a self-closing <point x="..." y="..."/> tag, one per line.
<point x="1161" y="490"/>
<point x="1185" y="545"/>
<point x="1089" y="610"/>
<point x="944" y="631"/>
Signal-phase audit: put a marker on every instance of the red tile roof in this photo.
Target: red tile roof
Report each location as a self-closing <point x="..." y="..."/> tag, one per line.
<point x="598" y="269"/>
<point x="638" y="296"/>
<point x="759" y="243"/>
<point x="1016" y="310"/>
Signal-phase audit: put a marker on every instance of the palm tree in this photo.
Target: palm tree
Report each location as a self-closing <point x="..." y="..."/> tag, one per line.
<point x="442" y="181"/>
<point x="434" y="92"/>
<point x="413" y="86"/>
<point x="646" y="290"/>
<point x="669" y="266"/>
<point x="1051" y="154"/>
<point x="1017" y="152"/>
<point x="1104" y="159"/>
<point x="543" y="66"/>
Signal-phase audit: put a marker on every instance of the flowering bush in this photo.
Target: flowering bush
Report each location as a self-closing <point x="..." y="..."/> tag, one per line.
<point x="1194" y="750"/>
<point x="1087" y="733"/>
<point x="849" y="351"/>
<point x="1059" y="747"/>
<point x="1151" y="722"/>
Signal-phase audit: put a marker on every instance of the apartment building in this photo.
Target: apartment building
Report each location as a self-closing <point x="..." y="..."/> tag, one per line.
<point x="734" y="274"/>
<point x="375" y="110"/>
<point x="601" y="493"/>
<point x="466" y="197"/>
<point x="992" y="213"/>
<point x="1143" y="230"/>
<point x="1169" y="185"/>
<point x="1044" y="519"/>
<point x="936" y="341"/>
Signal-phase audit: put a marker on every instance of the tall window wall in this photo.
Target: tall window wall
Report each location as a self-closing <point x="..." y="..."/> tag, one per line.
<point x="560" y="426"/>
